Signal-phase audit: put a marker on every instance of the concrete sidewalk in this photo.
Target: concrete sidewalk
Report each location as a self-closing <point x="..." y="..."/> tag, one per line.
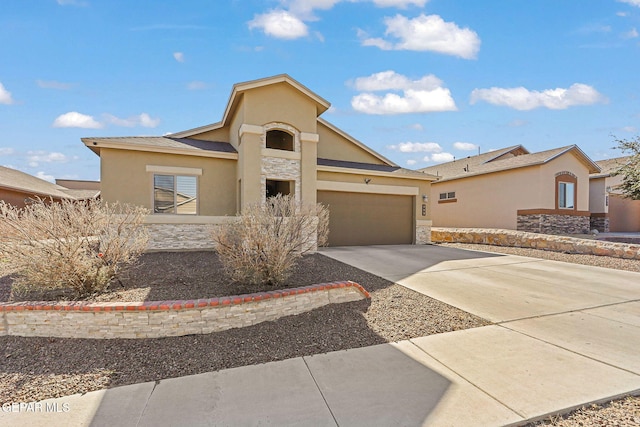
<point x="565" y="335"/>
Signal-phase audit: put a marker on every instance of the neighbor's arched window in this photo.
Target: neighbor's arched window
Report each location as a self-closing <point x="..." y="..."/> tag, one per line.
<point x="279" y="140"/>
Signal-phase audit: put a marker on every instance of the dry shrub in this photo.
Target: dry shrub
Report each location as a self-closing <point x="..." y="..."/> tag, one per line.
<point x="76" y="247"/>
<point x="266" y="242"/>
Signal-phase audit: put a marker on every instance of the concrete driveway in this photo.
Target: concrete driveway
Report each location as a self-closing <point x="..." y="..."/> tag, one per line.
<point x="498" y="287"/>
<point x="560" y="327"/>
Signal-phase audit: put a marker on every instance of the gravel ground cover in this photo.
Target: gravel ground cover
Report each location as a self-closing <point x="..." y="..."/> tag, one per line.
<point x="598" y="261"/>
<point x="38" y="368"/>
<point x="623" y="412"/>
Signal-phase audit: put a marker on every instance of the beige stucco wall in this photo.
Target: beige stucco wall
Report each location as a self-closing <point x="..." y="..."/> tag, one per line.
<point x="124" y="178"/>
<point x="221" y="134"/>
<point x="334" y="146"/>
<point x="567" y="162"/>
<point x="280" y="103"/>
<point x="490" y="200"/>
<point x="597" y="195"/>
<point x="624" y="214"/>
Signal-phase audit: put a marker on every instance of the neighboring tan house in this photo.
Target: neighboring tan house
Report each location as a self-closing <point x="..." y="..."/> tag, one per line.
<point x="610" y="210"/>
<point x="511" y="188"/>
<point x="19" y="189"/>
<point x="270" y="140"/>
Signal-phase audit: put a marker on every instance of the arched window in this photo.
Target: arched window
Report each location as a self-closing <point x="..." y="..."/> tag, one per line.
<point x="279" y="140"/>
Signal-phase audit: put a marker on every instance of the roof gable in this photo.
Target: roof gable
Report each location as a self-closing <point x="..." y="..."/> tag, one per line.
<point x="498" y="163"/>
<point x="238" y="91"/>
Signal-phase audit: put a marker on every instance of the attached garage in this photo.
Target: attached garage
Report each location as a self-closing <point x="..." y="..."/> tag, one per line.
<point x="369" y="219"/>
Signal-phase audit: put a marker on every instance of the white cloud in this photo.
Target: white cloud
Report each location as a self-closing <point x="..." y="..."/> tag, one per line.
<point x="427" y="33"/>
<point x="631" y="2"/>
<point x="45" y="176"/>
<point x="412" y="101"/>
<point x="411" y="162"/>
<point x="280" y="24"/>
<point x="390" y="80"/>
<point x="622" y="14"/>
<point x="464" y="146"/>
<point x="442" y="157"/>
<point x="197" y="85"/>
<point x="632" y="34"/>
<point x="416" y="126"/>
<point x="630" y="129"/>
<point x="6" y="151"/>
<point x="418" y="96"/>
<point x="143" y="120"/>
<point x="34" y="158"/>
<point x="521" y="98"/>
<point x="5" y="96"/>
<point x="52" y="84"/>
<point x="178" y="56"/>
<point x="417" y="147"/>
<point x="74" y="119"/>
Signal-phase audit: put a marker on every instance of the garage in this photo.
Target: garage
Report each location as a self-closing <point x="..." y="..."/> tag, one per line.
<point x="357" y="219"/>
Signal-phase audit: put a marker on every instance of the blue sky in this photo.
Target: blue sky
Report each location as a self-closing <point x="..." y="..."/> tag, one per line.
<point x="420" y="81"/>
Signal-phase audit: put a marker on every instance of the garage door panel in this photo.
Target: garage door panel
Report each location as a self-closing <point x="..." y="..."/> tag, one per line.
<point x="368" y="219"/>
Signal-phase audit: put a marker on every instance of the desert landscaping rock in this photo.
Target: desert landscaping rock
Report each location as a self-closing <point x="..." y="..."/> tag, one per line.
<point x="38" y="368"/>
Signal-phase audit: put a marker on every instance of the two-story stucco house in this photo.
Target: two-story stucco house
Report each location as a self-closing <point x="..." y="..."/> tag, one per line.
<point x="271" y="139"/>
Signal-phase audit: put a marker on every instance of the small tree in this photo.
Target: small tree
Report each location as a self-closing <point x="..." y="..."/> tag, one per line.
<point x="266" y="242"/>
<point x="630" y="170"/>
<point x="70" y="246"/>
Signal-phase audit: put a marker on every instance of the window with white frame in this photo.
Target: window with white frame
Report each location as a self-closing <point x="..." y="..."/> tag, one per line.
<point x="175" y="194"/>
<point x="566" y="195"/>
<point x="448" y="196"/>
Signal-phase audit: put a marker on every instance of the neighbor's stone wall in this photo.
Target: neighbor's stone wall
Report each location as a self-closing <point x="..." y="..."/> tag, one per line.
<point x="167" y="318"/>
<point x="180" y="236"/>
<point x="553" y="224"/>
<point x="546" y="242"/>
<point x="599" y="223"/>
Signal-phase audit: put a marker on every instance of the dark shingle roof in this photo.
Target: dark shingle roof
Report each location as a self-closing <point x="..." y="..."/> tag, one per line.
<point x="488" y="163"/>
<point x="371" y="167"/>
<point x="167" y="142"/>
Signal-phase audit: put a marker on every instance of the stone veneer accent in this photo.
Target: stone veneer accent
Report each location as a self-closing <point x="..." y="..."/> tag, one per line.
<point x="280" y="169"/>
<point x="546" y="242"/>
<point x="551" y="224"/>
<point x="180" y="236"/>
<point x="600" y="223"/>
<point x="423" y="232"/>
<point x="154" y="319"/>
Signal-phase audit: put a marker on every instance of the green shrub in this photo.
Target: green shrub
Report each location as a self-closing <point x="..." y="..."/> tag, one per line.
<point x="266" y="242"/>
<point x="71" y="247"/>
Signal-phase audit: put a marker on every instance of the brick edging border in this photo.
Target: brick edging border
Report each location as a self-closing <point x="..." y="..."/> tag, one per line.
<point x="153" y="319"/>
<point x="175" y="304"/>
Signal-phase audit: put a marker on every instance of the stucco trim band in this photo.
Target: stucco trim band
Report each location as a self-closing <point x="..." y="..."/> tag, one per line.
<point x="367" y="172"/>
<point x="154" y="319"/>
<point x="174" y="170"/>
<point x="351" y="187"/>
<point x="569" y="212"/>
<point x="188" y="219"/>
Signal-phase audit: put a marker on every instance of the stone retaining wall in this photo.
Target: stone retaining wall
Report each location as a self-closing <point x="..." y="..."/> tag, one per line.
<point x="154" y="319"/>
<point x="523" y="239"/>
<point x="180" y="236"/>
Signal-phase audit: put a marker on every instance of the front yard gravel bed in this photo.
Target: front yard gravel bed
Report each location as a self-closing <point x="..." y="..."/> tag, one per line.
<point x="39" y="368"/>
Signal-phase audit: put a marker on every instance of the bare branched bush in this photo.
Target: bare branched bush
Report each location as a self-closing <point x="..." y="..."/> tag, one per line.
<point x="266" y="242"/>
<point x="76" y="247"/>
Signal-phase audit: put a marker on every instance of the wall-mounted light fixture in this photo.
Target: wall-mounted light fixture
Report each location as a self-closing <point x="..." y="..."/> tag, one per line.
<point x="367" y="180"/>
<point x="425" y="198"/>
